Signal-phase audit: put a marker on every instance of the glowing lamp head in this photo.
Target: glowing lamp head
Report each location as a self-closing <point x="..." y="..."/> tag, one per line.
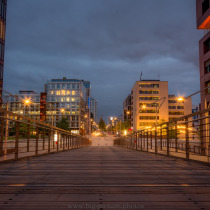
<point x="62" y="110"/>
<point x="27" y="101"/>
<point x="180" y="99"/>
<point x="128" y="112"/>
<point x="144" y="106"/>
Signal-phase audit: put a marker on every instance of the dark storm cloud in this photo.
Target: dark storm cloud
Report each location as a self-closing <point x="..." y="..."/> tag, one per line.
<point x="108" y="42"/>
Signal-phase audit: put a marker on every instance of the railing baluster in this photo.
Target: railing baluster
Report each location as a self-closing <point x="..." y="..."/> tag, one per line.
<point x="17" y="130"/>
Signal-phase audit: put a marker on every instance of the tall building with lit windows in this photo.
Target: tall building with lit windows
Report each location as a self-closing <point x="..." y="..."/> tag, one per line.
<point x="143" y="110"/>
<point x="146" y="95"/>
<point x="67" y="97"/>
<point x="203" y="23"/>
<point x="3" y="8"/>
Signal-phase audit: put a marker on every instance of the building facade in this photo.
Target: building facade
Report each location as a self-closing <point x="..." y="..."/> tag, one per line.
<point x="25" y="103"/>
<point x="143" y="109"/>
<point x="203" y="23"/>
<point x="3" y="8"/>
<point x="151" y="104"/>
<point x="67" y="98"/>
<point x="127" y="109"/>
<point x="94" y="109"/>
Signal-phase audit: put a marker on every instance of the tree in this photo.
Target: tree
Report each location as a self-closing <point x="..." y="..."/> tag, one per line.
<point x="63" y="123"/>
<point x="102" y="124"/>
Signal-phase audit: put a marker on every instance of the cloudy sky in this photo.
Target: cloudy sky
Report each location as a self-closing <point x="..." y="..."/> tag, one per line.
<point x="108" y="42"/>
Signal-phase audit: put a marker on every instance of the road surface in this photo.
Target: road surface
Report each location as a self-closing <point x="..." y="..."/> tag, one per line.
<point x="103" y="177"/>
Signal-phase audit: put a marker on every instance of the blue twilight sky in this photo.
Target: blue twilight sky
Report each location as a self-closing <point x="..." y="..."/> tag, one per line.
<point x="108" y="42"/>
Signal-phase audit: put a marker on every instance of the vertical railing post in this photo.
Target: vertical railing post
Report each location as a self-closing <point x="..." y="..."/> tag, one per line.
<point x="167" y="143"/>
<point x="155" y="139"/>
<point x="63" y="137"/>
<point x="136" y="141"/>
<point x="17" y="134"/>
<point x="202" y="135"/>
<point x="53" y="136"/>
<point x="151" y="139"/>
<point x="58" y="134"/>
<point x="176" y="138"/>
<point x="37" y="141"/>
<point x="70" y="140"/>
<point x="43" y="143"/>
<point x="141" y="139"/>
<point x="187" y="138"/>
<point x="2" y="133"/>
<point x="68" y="137"/>
<point x="147" y="140"/>
<point x="28" y="135"/>
<point x="161" y="138"/>
<point x="49" y="140"/>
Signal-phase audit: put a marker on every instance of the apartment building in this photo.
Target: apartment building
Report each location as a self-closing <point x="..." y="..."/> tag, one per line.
<point x="178" y="108"/>
<point x="151" y="104"/>
<point x="143" y="109"/>
<point x="25" y="103"/>
<point x="203" y="23"/>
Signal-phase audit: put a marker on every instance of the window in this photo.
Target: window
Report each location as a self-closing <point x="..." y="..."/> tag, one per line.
<point x="63" y="86"/>
<point x="149" y="85"/>
<point x="207" y="84"/>
<point x="205" y="6"/>
<point x="148" y="92"/>
<point x="148" y="111"/>
<point x="73" y="93"/>
<point x="206" y="46"/>
<point x="172" y="107"/>
<point x="63" y="92"/>
<point x="73" y="86"/>
<point x="68" y="86"/>
<point x="146" y="124"/>
<point x="180" y="107"/>
<point x="58" y="86"/>
<point x="176" y="113"/>
<point x="148" y="98"/>
<point x="58" y="92"/>
<point x="172" y="101"/>
<point x="53" y="86"/>
<point x="207" y="66"/>
<point x="68" y="92"/>
<point x="148" y="117"/>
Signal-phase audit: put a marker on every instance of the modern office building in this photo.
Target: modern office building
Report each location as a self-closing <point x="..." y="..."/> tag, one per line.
<point x="94" y="109"/>
<point x="67" y="97"/>
<point x="3" y="8"/>
<point x="25" y="103"/>
<point x="151" y="104"/>
<point x="127" y="109"/>
<point x="203" y="23"/>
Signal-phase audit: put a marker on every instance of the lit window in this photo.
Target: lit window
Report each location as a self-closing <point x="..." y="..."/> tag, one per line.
<point x="52" y="92"/>
<point x="63" y="92"/>
<point x="68" y="92"/>
<point x="72" y="99"/>
<point x="67" y="99"/>
<point x="73" y="93"/>
<point x="58" y="92"/>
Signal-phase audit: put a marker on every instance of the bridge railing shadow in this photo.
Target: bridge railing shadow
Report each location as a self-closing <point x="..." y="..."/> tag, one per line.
<point x="186" y="137"/>
<point x="21" y="137"/>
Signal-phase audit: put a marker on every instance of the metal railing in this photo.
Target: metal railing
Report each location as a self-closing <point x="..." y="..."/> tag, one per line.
<point x="21" y="136"/>
<point x="185" y="137"/>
